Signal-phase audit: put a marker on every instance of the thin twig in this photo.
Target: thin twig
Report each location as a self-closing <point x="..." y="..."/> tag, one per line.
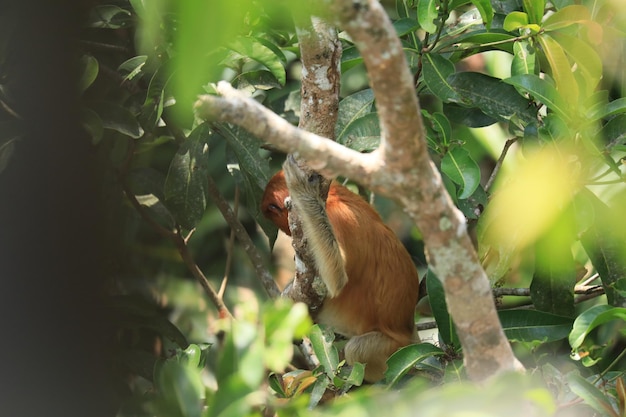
<point x="244" y="238"/>
<point x="496" y="169"/>
<point x="525" y="292"/>
<point x="183" y="249"/>
<point x="174" y="235"/>
<point x="230" y="247"/>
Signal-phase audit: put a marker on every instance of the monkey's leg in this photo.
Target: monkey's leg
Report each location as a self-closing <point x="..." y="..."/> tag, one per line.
<point x="373" y="349"/>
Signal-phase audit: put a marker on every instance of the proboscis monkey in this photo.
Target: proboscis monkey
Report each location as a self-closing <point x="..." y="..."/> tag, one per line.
<point x="371" y="280"/>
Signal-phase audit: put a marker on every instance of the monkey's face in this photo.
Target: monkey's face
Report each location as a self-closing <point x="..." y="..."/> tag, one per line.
<point x="273" y="202"/>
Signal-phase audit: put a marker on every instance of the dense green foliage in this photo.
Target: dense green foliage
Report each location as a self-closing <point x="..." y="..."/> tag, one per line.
<point x="547" y="76"/>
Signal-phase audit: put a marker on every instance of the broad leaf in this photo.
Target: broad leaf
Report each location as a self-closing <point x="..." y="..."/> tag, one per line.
<point x="567" y="16"/>
<point x="152" y="108"/>
<point x="486" y="11"/>
<point x="534" y="326"/>
<point x="109" y="16"/>
<point x="472" y="117"/>
<point x="406" y="358"/>
<point x="515" y="20"/>
<point x="117" y="118"/>
<point x="351" y="108"/>
<point x="543" y="91"/>
<point x="561" y="69"/>
<point x="437" y="298"/>
<point x="322" y="343"/>
<point x="611" y="109"/>
<point x="427" y="14"/>
<point x="491" y="96"/>
<point x="362" y="134"/>
<point x="552" y="287"/>
<point x="132" y="67"/>
<point x="405" y="25"/>
<point x="605" y="243"/>
<point x="252" y="48"/>
<point x="459" y="166"/>
<point x="524" y="59"/>
<point x="89" y="72"/>
<point x="534" y="8"/>
<point x="186" y="190"/>
<point x="592" y="395"/>
<point x="181" y="389"/>
<point x="587" y="60"/>
<point x="436" y="70"/>
<point x="350" y="58"/>
<point x="592" y="318"/>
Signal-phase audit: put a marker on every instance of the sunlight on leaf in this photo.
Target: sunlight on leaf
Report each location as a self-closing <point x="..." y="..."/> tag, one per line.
<point x="534" y="196"/>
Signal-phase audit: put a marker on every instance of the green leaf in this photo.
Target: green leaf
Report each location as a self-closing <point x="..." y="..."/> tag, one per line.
<point x="357" y="373"/>
<point x="92" y="123"/>
<point x="319" y="389"/>
<point x="405" y="359"/>
<point x="591" y="395"/>
<point x="326" y="352"/>
<point x="592" y="318"/>
<point x="156" y="210"/>
<point x="405" y="25"/>
<point x="89" y="72"/>
<point x="565" y="17"/>
<point x="132" y="67"/>
<point x="117" y="118"/>
<point x="186" y="190"/>
<point x="181" y="388"/>
<point x="587" y="60"/>
<point x="605" y="244"/>
<point x="362" y="134"/>
<point x="524" y="58"/>
<point x="152" y="108"/>
<point x="534" y="8"/>
<point x="253" y="49"/>
<point x="614" y="132"/>
<point x="534" y="326"/>
<point x="491" y="96"/>
<point x="459" y="166"/>
<point x="543" y="91"/>
<point x="437" y="298"/>
<point x="515" y="20"/>
<point x="259" y="79"/>
<point x="109" y="16"/>
<point x="486" y="11"/>
<point x="441" y="125"/>
<point x="351" y="108"/>
<point x="552" y="287"/>
<point x="284" y="322"/>
<point x="436" y="70"/>
<point x="350" y="58"/>
<point x="427" y="14"/>
<point x="617" y="106"/>
<point x="561" y="69"/>
<point x="472" y="117"/>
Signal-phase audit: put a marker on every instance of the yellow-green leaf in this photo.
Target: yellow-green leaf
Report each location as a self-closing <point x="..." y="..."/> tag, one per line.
<point x="560" y="68"/>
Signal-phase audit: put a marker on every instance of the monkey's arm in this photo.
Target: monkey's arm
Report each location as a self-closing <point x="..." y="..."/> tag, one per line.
<point x="304" y="193"/>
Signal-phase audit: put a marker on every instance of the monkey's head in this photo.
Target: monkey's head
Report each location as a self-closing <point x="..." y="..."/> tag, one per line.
<point x="273" y="202"/>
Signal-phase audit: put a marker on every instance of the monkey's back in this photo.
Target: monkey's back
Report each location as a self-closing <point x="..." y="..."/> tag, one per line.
<point x="383" y="284"/>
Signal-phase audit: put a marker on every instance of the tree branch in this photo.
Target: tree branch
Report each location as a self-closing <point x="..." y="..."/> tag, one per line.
<point x="244" y="238"/>
<point x="322" y="154"/>
<point x="499" y="163"/>
<point x="320" y="54"/>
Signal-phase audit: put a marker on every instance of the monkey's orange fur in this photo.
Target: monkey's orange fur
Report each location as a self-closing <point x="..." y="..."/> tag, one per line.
<point x="375" y="309"/>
